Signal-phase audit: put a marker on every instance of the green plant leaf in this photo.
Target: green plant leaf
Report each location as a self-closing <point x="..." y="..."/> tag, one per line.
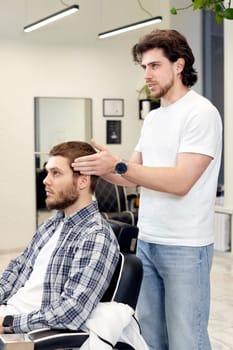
<point x="199" y="4"/>
<point x="217" y="8"/>
<point x="173" y="11"/>
<point x="228" y="13"/>
<point x="219" y="17"/>
<point x="221" y="8"/>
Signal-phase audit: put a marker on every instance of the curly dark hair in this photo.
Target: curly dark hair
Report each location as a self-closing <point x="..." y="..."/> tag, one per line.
<point x="72" y="150"/>
<point x="174" y="46"/>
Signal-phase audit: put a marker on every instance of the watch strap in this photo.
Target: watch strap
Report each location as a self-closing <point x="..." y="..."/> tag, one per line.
<point x="7" y="324"/>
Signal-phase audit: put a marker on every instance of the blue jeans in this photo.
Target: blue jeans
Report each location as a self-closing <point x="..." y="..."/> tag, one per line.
<point x="174" y="301"/>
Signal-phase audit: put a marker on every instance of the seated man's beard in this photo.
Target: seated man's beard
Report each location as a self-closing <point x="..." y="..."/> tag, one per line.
<point x="63" y="199"/>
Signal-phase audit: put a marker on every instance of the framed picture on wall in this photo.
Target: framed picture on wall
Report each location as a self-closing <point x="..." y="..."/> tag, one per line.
<point x="113" y="131"/>
<point x="113" y="107"/>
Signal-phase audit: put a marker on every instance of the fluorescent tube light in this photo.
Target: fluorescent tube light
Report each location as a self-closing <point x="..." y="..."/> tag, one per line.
<point x="132" y="26"/>
<point x="44" y="21"/>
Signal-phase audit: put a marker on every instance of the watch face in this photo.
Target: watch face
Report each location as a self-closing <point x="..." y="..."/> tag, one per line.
<point x="121" y="168"/>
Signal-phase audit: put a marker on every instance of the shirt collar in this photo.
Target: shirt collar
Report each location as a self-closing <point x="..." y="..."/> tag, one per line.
<point x="78" y="216"/>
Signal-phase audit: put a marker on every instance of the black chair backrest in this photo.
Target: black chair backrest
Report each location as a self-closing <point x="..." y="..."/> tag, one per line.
<point x="126" y="281"/>
<point x="110" y="197"/>
<point x="126" y="234"/>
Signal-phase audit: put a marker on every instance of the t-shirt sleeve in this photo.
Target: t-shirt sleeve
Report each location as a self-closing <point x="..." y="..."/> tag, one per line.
<point x="202" y="133"/>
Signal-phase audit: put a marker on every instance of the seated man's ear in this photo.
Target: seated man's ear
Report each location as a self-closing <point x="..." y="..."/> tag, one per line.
<point x="83" y="181"/>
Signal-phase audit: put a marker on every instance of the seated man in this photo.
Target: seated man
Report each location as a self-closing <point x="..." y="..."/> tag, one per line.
<point x="64" y="271"/>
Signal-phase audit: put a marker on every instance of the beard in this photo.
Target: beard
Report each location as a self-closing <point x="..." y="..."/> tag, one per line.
<point x="162" y="90"/>
<point x="63" y="199"/>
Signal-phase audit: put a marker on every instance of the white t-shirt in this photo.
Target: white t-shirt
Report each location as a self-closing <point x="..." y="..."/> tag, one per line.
<point x="191" y="124"/>
<point x="29" y="297"/>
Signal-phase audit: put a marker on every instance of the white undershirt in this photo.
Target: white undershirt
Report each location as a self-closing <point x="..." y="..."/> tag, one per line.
<point x="29" y="297"/>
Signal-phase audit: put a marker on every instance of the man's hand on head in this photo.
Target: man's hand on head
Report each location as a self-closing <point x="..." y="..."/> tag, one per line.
<point x="100" y="163"/>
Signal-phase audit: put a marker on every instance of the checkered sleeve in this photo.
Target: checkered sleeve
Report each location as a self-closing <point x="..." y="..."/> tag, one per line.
<point x="18" y="270"/>
<point x="10" y="277"/>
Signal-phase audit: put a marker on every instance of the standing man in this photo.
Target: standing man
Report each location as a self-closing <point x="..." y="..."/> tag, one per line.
<point x="176" y="163"/>
<point x="63" y="273"/>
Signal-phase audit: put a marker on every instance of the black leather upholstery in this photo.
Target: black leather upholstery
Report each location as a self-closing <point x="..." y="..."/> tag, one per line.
<point x="126" y="235"/>
<point x="113" y="202"/>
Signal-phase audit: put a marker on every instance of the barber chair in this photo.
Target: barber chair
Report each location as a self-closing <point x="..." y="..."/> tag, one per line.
<point x="113" y="202"/>
<point x="124" y="288"/>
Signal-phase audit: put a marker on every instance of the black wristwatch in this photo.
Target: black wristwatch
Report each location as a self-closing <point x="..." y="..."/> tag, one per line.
<point x="121" y="168"/>
<point x="8" y="324"/>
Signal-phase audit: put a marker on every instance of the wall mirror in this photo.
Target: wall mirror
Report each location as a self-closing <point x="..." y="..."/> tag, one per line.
<point x="57" y="119"/>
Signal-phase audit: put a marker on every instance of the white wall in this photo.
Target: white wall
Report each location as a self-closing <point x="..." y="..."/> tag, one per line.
<point x="188" y="22"/>
<point x="45" y="63"/>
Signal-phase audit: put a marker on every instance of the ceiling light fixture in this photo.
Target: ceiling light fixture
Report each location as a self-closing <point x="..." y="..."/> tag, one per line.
<point x="54" y="17"/>
<point x="128" y="27"/>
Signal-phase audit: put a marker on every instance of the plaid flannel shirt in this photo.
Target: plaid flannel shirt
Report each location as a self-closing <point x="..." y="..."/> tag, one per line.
<point x="78" y="273"/>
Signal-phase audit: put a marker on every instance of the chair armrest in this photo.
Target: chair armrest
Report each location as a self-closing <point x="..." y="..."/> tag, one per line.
<point x="126" y="216"/>
<point x="51" y="339"/>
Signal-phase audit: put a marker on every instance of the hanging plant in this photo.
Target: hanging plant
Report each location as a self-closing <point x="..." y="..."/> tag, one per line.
<point x="221" y="8"/>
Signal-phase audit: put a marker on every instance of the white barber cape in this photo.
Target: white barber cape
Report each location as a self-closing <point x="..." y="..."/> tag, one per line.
<point x="112" y="322"/>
